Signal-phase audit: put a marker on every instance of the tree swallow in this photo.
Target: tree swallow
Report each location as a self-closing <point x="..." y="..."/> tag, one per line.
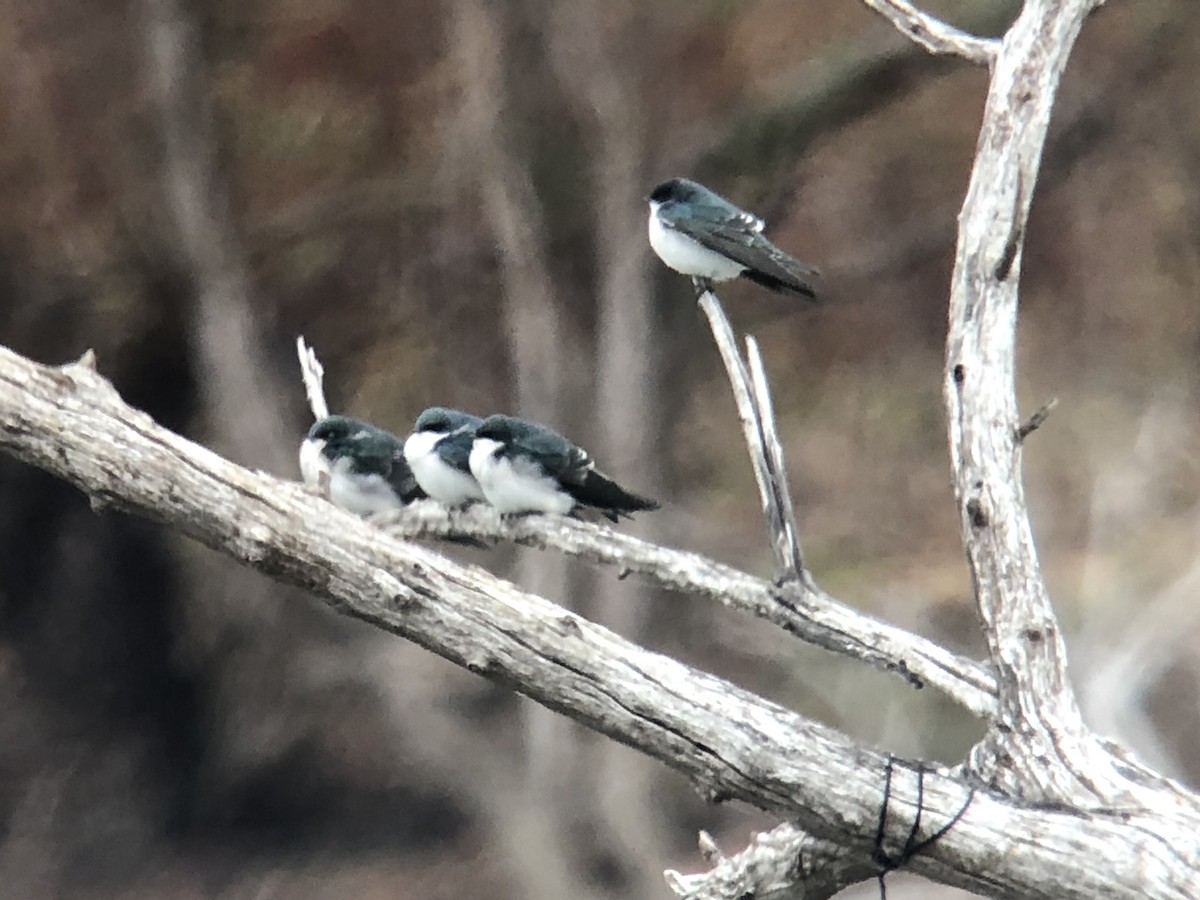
<point x="525" y="467"/>
<point x="438" y="452"/>
<point x="364" y="466"/>
<point x="699" y="233"/>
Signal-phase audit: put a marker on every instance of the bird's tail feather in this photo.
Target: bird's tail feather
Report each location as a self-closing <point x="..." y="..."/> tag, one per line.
<point x="787" y="275"/>
<point x="601" y="492"/>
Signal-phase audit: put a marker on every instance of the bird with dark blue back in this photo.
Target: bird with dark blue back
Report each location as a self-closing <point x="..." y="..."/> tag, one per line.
<point x="363" y="465"/>
<point x="699" y="233"/>
<point x="439" y="450"/>
<point x="524" y="467"/>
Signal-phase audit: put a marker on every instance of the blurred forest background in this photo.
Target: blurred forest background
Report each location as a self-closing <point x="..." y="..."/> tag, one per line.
<point x="446" y="199"/>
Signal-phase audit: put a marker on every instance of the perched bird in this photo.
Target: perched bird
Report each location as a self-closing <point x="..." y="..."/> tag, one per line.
<point x="439" y="451"/>
<point x="526" y="467"/>
<point x="364" y="465"/>
<point x="699" y="233"/>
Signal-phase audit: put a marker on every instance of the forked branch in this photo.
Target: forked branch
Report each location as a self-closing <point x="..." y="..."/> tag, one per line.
<point x="729" y="742"/>
<point x="935" y="35"/>
<point x="799" y="607"/>
<point x="754" y="412"/>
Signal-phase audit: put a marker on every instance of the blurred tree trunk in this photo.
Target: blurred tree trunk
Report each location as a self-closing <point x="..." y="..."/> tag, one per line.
<point x="233" y="613"/>
<point x="598" y="52"/>
<point x="540" y="843"/>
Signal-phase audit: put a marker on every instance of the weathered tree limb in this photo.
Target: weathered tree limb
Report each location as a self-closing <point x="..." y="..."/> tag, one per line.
<point x="1038" y="747"/>
<point x="767" y="460"/>
<point x="808" y="612"/>
<point x="761" y="392"/>
<point x="816" y="618"/>
<point x="731" y="743"/>
<point x="933" y="34"/>
<point x="796" y="602"/>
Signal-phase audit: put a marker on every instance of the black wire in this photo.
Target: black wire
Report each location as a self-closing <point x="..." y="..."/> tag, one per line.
<point x="880" y="856"/>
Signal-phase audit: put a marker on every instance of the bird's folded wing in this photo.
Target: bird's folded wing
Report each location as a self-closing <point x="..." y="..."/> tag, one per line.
<point x="739" y="240"/>
<point x="553" y="453"/>
<point x="455" y="450"/>
<point x="402" y="480"/>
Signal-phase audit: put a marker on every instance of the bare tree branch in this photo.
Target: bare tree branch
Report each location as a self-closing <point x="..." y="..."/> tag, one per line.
<point x="817" y="619"/>
<point x="312" y="373"/>
<point x="797" y="604"/>
<point x="729" y="742"/>
<point x="789" y="532"/>
<point x="772" y="483"/>
<point x="1038" y="747"/>
<point x="782" y="864"/>
<point x="1037" y="420"/>
<point x="935" y="35"/>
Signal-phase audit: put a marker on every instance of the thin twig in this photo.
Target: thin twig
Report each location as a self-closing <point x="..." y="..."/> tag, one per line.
<point x="788" y="535"/>
<point x="784" y="862"/>
<point x="933" y="34"/>
<point x="313" y="374"/>
<point x="787" y="563"/>
<point x="1034" y="422"/>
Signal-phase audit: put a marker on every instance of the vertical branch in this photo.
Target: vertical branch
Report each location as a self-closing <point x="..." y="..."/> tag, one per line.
<point x="788" y="534"/>
<point x="312" y="373"/>
<point x="780" y="521"/>
<point x="1038" y="720"/>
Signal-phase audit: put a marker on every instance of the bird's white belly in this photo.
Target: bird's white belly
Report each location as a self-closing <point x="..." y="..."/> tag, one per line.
<point x="436" y="477"/>
<point x="361" y="494"/>
<point x="512" y="486"/>
<point x="688" y="256"/>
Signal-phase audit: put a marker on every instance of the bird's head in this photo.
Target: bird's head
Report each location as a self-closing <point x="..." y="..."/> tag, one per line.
<point x="336" y="437"/>
<point x="674" y="191"/>
<point x="498" y="428"/>
<point x="440" y="420"/>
